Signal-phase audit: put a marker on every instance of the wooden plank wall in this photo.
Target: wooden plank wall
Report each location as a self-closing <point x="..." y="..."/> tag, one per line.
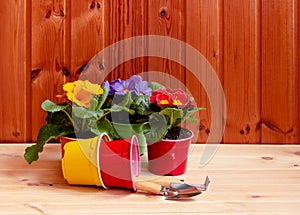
<point x="15" y="115"/>
<point x="253" y="46"/>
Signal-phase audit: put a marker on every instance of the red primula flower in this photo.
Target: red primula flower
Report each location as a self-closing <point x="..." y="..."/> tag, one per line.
<point x="161" y="97"/>
<point x="163" y="100"/>
<point x="169" y="98"/>
<point x="179" y="98"/>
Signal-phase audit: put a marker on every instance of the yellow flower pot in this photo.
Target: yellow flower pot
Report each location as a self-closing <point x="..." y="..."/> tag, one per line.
<point x="80" y="163"/>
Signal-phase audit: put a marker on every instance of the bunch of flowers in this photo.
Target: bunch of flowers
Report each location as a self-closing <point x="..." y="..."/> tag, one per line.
<point x="171" y="107"/>
<point x="128" y="100"/>
<point x="81" y="116"/>
<point x="151" y="109"/>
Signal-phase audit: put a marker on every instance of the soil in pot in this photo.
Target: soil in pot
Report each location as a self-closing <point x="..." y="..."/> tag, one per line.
<point x="177" y="133"/>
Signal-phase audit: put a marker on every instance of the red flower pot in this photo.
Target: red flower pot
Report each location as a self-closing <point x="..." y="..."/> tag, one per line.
<point x="119" y="162"/>
<point x="169" y="157"/>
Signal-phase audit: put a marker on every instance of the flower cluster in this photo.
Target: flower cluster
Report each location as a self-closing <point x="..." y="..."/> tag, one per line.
<point x="170" y="98"/>
<point x="91" y="109"/>
<point x="172" y="107"/>
<point x="134" y="85"/>
<point x="129" y="96"/>
<point x="81" y="116"/>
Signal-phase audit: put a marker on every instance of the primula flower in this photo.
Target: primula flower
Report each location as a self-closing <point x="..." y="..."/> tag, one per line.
<point x="124" y="87"/>
<point x="113" y="86"/>
<point x="169" y="98"/>
<point x="141" y="87"/>
<point x="179" y="98"/>
<point x="81" y="92"/>
<point x="69" y="87"/>
<point x="162" y="97"/>
<point x="134" y="84"/>
<point x="163" y="100"/>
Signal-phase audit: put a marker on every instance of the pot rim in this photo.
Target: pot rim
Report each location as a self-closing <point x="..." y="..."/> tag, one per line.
<point x="185" y="139"/>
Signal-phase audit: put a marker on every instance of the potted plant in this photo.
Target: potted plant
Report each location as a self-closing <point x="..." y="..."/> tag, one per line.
<point x="168" y="142"/>
<point x="122" y="108"/>
<point x="129" y="103"/>
<point x="154" y="114"/>
<point x="82" y="116"/>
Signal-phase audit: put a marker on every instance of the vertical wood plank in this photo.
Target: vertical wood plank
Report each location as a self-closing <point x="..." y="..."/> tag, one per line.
<point x="298" y="74"/>
<point x="88" y="36"/>
<point x="280" y="75"/>
<point x="203" y="28"/>
<point x="140" y="28"/>
<point x="48" y="51"/>
<point x="242" y="70"/>
<point x="127" y="19"/>
<point x="15" y="121"/>
<point x="167" y="18"/>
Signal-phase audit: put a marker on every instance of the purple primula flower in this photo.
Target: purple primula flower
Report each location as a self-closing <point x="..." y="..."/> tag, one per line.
<point x="134" y="84"/>
<point x="124" y="87"/>
<point x="136" y="79"/>
<point x="115" y="86"/>
<point x="141" y="87"/>
<point x="106" y="84"/>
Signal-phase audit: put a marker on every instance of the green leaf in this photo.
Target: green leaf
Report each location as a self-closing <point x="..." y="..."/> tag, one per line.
<point x="93" y="104"/>
<point x="123" y="100"/>
<point x="157" y="128"/>
<point x="173" y="115"/>
<point x="142" y="105"/>
<point x="103" y="126"/>
<point x="58" y="118"/>
<point x="84" y="113"/>
<point x="49" y="106"/>
<point x="46" y="133"/>
<point x="188" y="115"/>
<point x="118" y="108"/>
<point x="195" y="110"/>
<point x="103" y="97"/>
<point x="192" y="119"/>
<point x="155" y="86"/>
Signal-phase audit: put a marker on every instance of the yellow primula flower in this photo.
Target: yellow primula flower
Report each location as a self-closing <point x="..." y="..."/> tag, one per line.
<point x="92" y="88"/>
<point x="69" y="88"/>
<point x="81" y="92"/>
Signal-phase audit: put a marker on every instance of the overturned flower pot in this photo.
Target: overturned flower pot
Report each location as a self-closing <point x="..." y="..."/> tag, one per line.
<point x="101" y="162"/>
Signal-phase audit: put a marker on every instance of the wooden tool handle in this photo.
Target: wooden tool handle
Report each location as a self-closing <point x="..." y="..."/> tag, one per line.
<point x="149" y="187"/>
<point x="165" y="181"/>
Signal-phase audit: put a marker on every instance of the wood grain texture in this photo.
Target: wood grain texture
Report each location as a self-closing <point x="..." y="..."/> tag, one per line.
<point x="203" y="32"/>
<point x="88" y="37"/>
<point x="298" y="53"/>
<point x="245" y="179"/>
<point x="241" y="32"/>
<point x="48" y="54"/>
<point x="127" y="19"/>
<point x="280" y="75"/>
<point x="167" y="18"/>
<point x="252" y="45"/>
<point x="15" y="116"/>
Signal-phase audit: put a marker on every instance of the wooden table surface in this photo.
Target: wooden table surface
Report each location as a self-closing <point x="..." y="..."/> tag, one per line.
<point x="245" y="179"/>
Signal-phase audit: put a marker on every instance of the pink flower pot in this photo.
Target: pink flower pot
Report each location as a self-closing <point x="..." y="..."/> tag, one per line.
<point x="119" y="162"/>
<point x="169" y="157"/>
